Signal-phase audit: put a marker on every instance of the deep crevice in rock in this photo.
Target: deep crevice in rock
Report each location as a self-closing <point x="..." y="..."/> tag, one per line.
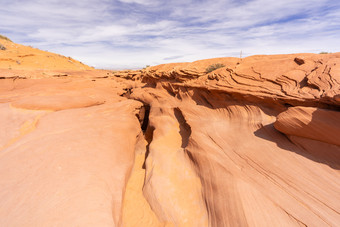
<point x="148" y="137"/>
<point x="145" y="121"/>
<point x="143" y="117"/>
<point x="184" y="127"/>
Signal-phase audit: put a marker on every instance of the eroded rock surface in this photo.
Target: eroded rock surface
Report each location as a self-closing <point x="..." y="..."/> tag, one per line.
<point x="252" y="143"/>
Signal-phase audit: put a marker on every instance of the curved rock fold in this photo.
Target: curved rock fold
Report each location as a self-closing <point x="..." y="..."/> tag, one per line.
<point x="252" y="143"/>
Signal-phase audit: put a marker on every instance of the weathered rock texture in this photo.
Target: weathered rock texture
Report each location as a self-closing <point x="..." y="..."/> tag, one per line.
<point x="253" y="143"/>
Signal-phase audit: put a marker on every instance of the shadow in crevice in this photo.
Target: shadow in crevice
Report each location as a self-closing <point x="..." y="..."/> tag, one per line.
<point x="143" y="117"/>
<point x="148" y="137"/>
<point x="321" y="152"/>
<point x="184" y="128"/>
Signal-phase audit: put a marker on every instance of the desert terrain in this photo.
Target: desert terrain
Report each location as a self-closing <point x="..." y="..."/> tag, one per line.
<point x="251" y="141"/>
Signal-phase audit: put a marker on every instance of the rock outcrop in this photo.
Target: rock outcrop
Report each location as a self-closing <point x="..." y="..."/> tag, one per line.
<point x="252" y="143"/>
<point x="29" y="62"/>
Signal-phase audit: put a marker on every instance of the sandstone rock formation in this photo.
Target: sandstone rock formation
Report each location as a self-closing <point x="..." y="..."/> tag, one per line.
<point x="27" y="62"/>
<point x="253" y="143"/>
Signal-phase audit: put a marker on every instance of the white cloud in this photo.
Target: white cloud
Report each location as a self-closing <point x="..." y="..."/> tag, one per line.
<point x="143" y="2"/>
<point x="134" y="33"/>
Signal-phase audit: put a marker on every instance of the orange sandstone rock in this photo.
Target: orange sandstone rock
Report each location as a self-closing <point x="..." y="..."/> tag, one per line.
<point x="252" y="143"/>
<point x="17" y="56"/>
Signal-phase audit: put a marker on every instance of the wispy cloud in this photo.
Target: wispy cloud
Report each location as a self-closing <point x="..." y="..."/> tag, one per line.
<point x="135" y="33"/>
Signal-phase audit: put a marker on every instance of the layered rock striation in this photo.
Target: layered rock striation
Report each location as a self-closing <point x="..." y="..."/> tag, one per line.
<point x="259" y="133"/>
<point x="251" y="143"/>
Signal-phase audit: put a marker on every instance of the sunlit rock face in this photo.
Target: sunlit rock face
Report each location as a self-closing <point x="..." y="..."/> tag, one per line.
<point x="217" y="142"/>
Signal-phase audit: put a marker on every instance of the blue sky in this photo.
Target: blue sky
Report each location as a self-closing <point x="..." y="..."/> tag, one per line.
<point x="134" y="33"/>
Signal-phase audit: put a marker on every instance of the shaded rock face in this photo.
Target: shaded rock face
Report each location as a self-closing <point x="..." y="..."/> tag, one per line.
<point x="253" y="143"/>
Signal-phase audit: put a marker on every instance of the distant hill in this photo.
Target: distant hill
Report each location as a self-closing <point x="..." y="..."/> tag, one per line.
<point x="16" y="56"/>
